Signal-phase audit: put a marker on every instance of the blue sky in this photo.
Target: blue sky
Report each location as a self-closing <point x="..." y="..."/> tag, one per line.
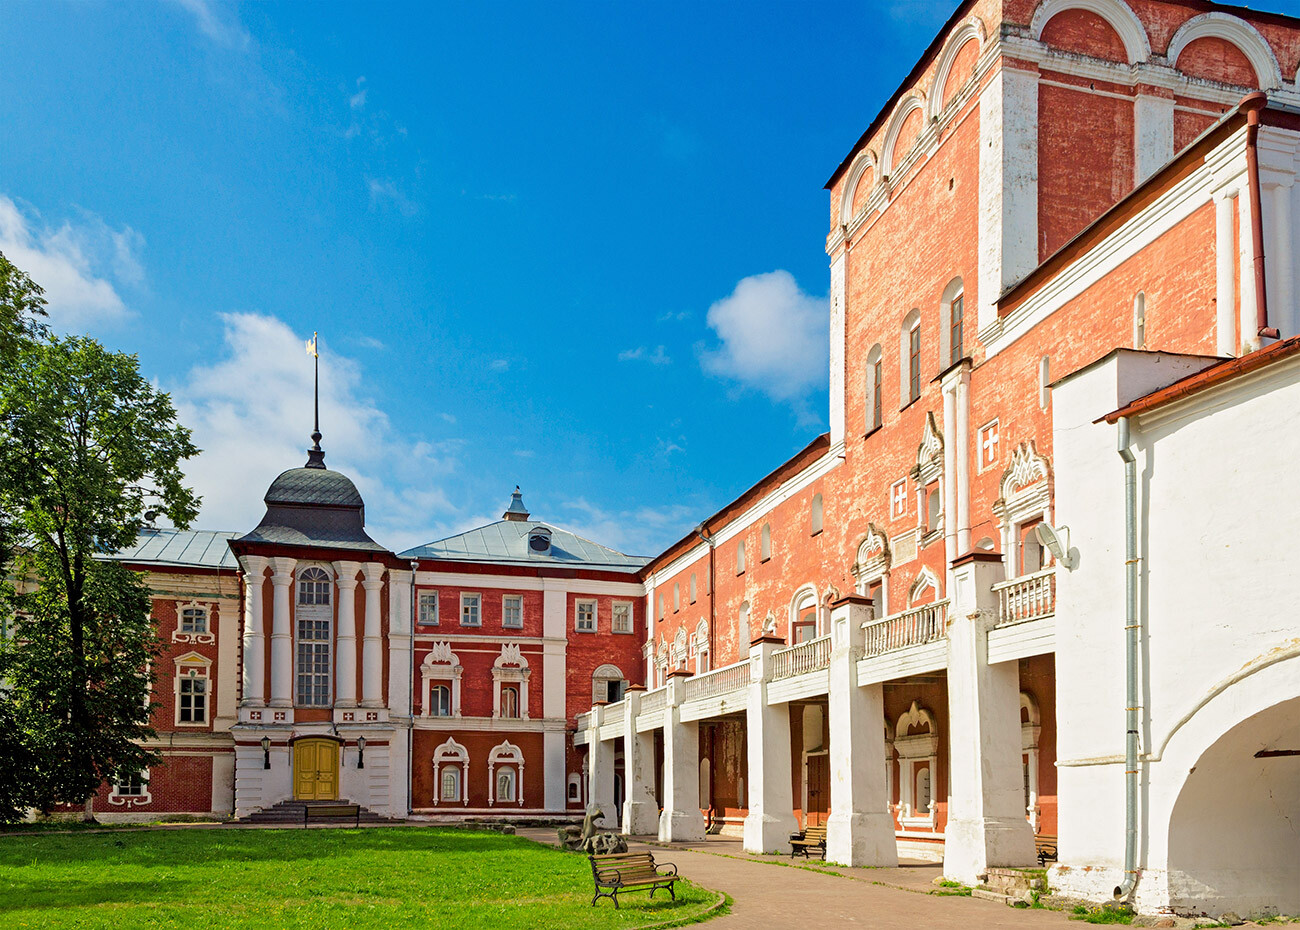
<point x="575" y="247"/>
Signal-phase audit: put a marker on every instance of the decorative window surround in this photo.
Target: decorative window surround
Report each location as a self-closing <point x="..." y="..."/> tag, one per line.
<point x="199" y="617"/>
<point x="925" y="580"/>
<point x="680" y="651"/>
<point x="454" y="754"/>
<point x="1026" y="495"/>
<point x="805" y="599"/>
<point x="510" y="667"/>
<point x="509" y="755"/>
<point x="440" y="665"/>
<point x="193" y="681"/>
<point x="131" y="791"/>
<point x="700" y="647"/>
<point x="915" y="752"/>
<point x="872" y="565"/>
<point x="600" y="680"/>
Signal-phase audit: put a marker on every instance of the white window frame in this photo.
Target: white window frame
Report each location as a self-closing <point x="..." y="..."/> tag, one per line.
<point x="451" y="753"/>
<point x="615" y="609"/>
<point x="506" y="607"/>
<point x="116" y="797"/>
<point x="577" y="615"/>
<point x="426" y="598"/>
<point x="204" y="635"/>
<point x="434" y="688"/>
<point x="194" y="667"/>
<point x="980" y="436"/>
<point x="466" y="599"/>
<point x="897" y="501"/>
<point x="314" y="611"/>
<point x="508" y="756"/>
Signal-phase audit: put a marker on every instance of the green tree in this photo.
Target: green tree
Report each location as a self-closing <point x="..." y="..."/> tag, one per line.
<point x="86" y="444"/>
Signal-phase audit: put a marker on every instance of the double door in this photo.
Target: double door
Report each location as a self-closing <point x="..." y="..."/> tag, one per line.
<point x="316" y="770"/>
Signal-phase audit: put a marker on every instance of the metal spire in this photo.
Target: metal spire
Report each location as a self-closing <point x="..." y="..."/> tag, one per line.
<point x="315" y="455"/>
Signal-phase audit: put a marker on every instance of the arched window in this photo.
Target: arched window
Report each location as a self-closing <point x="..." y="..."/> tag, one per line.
<point x="510" y="702"/>
<point x="677" y="596"/>
<point x="506" y="785"/>
<point x="816" y="516"/>
<point x="450" y="790"/>
<point x="1044" y="381"/>
<point x="505" y="774"/>
<point x="451" y="758"/>
<point x="803" y="615"/>
<point x="910" y="354"/>
<point x="875" y="381"/>
<point x="693" y="588"/>
<point x="607" y="684"/>
<point x="765" y="551"/>
<point x="313" y="586"/>
<point x="740" y="557"/>
<point x="440" y="701"/>
<point x="952" y="316"/>
<point x="743" y="633"/>
<point x="1140" y="321"/>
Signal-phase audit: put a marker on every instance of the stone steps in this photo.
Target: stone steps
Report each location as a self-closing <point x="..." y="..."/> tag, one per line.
<point x="1013" y="887"/>
<point x="290" y="813"/>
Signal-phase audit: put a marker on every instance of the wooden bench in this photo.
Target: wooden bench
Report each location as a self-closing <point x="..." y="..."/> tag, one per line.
<point x="332" y="812"/>
<point x="630" y="872"/>
<point x="1046" y="848"/>
<point x="808" y="840"/>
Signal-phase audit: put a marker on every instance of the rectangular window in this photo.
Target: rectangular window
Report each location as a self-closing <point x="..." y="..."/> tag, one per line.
<point x="428" y="613"/>
<point x="471" y="613"/>
<point x="194" y="620"/>
<point x="512" y="611"/>
<point x="877" y="408"/>
<point x="313" y="663"/>
<point x="622" y="618"/>
<point x="584" y="620"/>
<point x="131" y="784"/>
<point x="440" y="701"/>
<point x="956" y="331"/>
<point x="613" y="691"/>
<point x="914" y="363"/>
<point x="193" y="698"/>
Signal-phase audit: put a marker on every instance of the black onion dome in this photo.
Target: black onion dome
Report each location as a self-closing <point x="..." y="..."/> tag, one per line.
<point x="313" y="506"/>
<point x="314" y="486"/>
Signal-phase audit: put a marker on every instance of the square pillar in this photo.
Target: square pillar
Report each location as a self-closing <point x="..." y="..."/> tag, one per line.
<point x="681" y="820"/>
<point x="640" y="812"/>
<point x="600" y="771"/>
<point x="860" y="829"/>
<point x="986" y="805"/>
<point x="771" y="802"/>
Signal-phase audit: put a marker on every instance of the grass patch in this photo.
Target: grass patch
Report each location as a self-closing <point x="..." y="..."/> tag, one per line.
<point x="949" y="887"/>
<point x="1102" y="915"/>
<point x="371" y="878"/>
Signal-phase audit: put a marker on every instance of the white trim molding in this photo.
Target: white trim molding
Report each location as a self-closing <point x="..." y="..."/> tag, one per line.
<point x="1120" y="17"/>
<point x="1237" y="31"/>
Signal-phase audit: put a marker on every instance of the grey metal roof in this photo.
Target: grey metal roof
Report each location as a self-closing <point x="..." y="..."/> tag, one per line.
<point x="314" y="486"/>
<point x="193" y="548"/>
<point x="506" y="543"/>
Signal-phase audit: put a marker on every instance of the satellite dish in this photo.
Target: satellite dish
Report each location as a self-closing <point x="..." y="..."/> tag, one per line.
<point x="1057" y="542"/>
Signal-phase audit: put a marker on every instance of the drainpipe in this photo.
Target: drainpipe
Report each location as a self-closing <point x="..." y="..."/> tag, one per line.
<point x="410" y="701"/>
<point x="1124" y="890"/>
<point x="1253" y="104"/>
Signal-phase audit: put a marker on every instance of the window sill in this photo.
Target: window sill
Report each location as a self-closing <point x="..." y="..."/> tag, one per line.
<point x="578" y="630"/>
<point x="908" y="404"/>
<point x="871" y="432"/>
<point x="815" y="533"/>
<point x="764" y="561"/>
<point x="621" y="632"/>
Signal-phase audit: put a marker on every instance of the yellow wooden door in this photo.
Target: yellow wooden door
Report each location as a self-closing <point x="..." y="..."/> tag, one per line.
<point x="316" y="770"/>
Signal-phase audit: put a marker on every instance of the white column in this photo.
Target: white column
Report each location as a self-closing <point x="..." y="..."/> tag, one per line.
<point x="600" y="771"/>
<point x="399" y="642"/>
<point x="950" y="454"/>
<point x="837" y="361"/>
<point x="681" y="819"/>
<point x="1008" y="188"/>
<point x="986" y="804"/>
<point x="345" y="660"/>
<point x="372" y="655"/>
<point x="962" y="455"/>
<point x="281" y="632"/>
<point x="1281" y="259"/>
<point x="1248" y="321"/>
<point x="1225" y="260"/>
<point x="771" y="804"/>
<point x="254" y="639"/>
<point x="860" y="829"/>
<point x="640" y="812"/>
<point x="1153" y="119"/>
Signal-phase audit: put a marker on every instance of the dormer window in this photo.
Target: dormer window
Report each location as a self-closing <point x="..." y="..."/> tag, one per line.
<point x="539" y="541"/>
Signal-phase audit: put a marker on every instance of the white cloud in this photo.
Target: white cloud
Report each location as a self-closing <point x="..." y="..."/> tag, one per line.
<point x="80" y="264"/>
<point x="773" y="337"/>
<point x="358" y="100"/>
<point x="251" y="413"/>
<point x="223" y="29"/>
<point x="641" y="353"/>
<point x="499" y="364"/>
<point x="640" y="531"/>
<point x="384" y="190"/>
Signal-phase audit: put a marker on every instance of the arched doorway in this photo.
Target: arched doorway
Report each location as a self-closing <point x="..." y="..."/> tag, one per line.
<point x="1233" y="831"/>
<point x="315" y="769"/>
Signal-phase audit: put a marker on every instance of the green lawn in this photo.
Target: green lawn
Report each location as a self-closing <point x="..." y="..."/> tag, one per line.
<point x="321" y="878"/>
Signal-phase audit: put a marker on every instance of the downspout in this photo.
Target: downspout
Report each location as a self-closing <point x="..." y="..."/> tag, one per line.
<point x="1124" y="890"/>
<point x="410" y="702"/>
<point x="1253" y="104"/>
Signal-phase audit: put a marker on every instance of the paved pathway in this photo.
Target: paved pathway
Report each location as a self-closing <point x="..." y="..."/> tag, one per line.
<point x="767" y="893"/>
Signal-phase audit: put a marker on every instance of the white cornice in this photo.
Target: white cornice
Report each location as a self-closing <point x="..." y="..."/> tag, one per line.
<point x="491" y="724"/>
<point x="453" y="579"/>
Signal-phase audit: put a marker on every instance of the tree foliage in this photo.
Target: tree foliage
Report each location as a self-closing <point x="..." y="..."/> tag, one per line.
<point x="86" y="446"/>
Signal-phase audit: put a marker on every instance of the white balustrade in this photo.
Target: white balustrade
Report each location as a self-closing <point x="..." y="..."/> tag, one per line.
<point x="915" y="627"/>
<point x="654" y="700"/>
<point x="1029" y="597"/>
<point x="614" y="714"/>
<point x="801" y="659"/>
<point x="717" y="682"/>
<point x="583" y="721"/>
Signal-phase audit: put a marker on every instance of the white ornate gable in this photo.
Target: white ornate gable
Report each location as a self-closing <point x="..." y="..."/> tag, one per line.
<point x="929" y="454"/>
<point x="873" y="555"/>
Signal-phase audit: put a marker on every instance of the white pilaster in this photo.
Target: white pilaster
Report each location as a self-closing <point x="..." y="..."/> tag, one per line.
<point x="680" y="820"/>
<point x="254" y="639"/>
<point x="345" y="660"/>
<point x="837" y="375"/>
<point x="1008" y="189"/>
<point x="399" y="642"/>
<point x="1281" y="264"/>
<point x="962" y="455"/>
<point x="554" y="770"/>
<point x="771" y="804"/>
<point x="1225" y="259"/>
<point x="950" y="456"/>
<point x="1153" y="119"/>
<point x="372" y="655"/>
<point x="986" y="805"/>
<point x="1248" y="321"/>
<point x="226" y="700"/>
<point x="281" y="631"/>
<point x="640" y="812"/>
<point x="860" y="829"/>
